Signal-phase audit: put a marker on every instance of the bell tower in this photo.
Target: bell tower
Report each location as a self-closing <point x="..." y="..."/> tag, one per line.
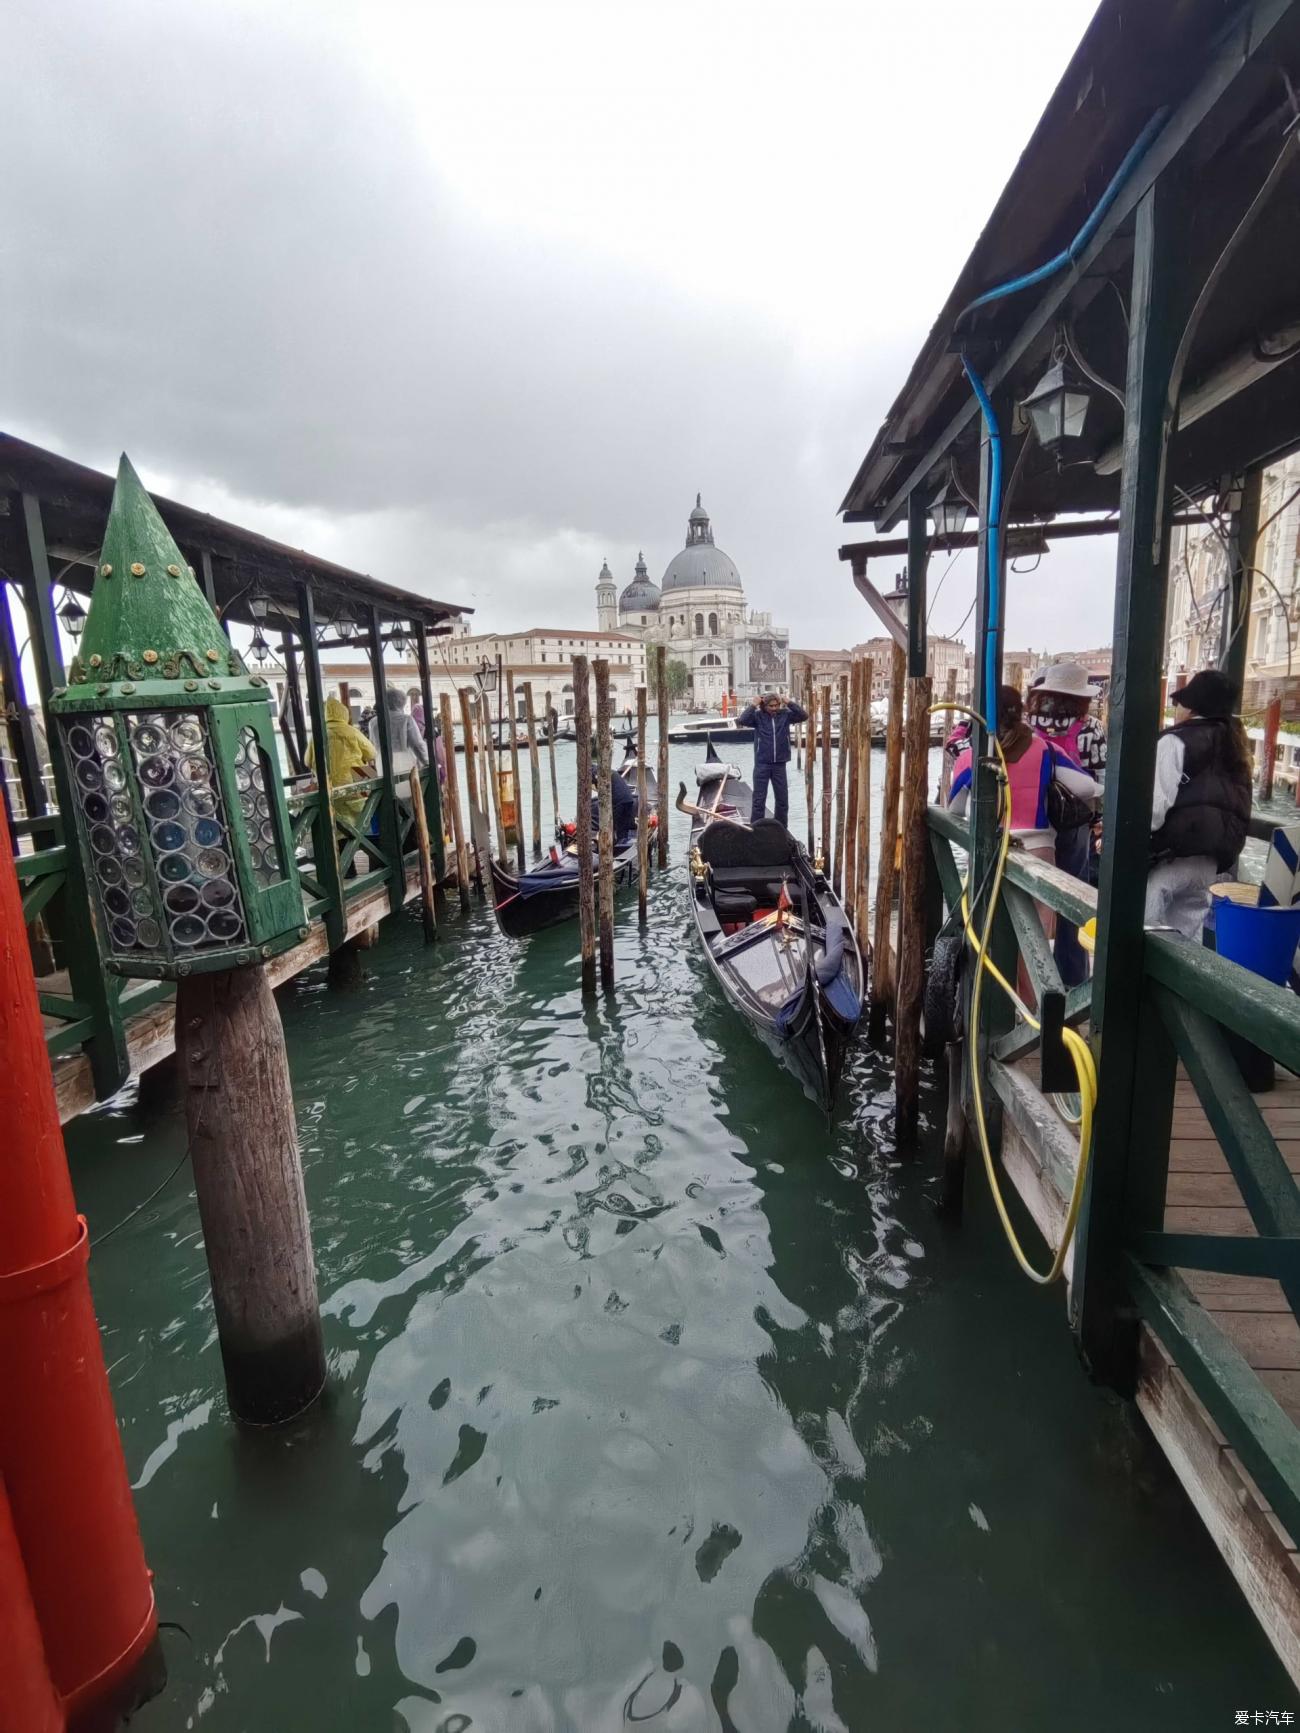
<point x="606" y="600"/>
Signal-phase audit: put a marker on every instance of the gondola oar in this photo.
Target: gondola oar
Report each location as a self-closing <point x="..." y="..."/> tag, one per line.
<point x="815" y="991"/>
<point x="709" y="812"/>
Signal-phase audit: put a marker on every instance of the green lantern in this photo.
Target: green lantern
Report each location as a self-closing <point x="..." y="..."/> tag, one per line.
<point x="170" y="748"/>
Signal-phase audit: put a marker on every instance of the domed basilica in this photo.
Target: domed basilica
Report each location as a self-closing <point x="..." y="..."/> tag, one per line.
<point x="698" y="611"/>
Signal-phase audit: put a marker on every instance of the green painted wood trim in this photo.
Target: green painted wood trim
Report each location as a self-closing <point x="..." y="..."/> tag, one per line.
<point x="1243" y="533"/>
<point x="1032" y="941"/>
<point x="325" y="856"/>
<point x="61" y="1006"/>
<point x="18" y="721"/>
<point x="69" y="1037"/>
<point x="1267" y="1185"/>
<point x="43" y="891"/>
<point x="1051" y="1141"/>
<point x="1235" y="1397"/>
<point x="41" y="864"/>
<point x="1226" y="1254"/>
<point x="1023" y="1039"/>
<point x="364" y="883"/>
<point x="1248" y="1005"/>
<point x="918" y="560"/>
<point x="390" y="823"/>
<point x="946" y="866"/>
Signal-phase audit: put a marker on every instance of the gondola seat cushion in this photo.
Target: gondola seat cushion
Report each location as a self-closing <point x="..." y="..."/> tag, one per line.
<point x="765" y="844"/>
<point x="734" y="905"/>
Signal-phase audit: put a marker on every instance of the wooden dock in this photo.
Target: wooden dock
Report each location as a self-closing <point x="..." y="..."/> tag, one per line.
<point x="1203" y="1197"/>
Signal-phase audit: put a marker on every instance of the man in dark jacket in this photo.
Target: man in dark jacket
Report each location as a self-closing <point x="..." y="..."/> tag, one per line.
<point x="771" y="720"/>
<point x="624" y="807"/>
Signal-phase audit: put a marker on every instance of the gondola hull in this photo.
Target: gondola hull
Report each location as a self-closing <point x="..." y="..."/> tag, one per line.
<point x="795" y="975"/>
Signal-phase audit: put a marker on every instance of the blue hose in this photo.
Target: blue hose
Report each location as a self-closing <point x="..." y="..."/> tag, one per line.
<point x="1136" y="151"/>
<point x="993" y="536"/>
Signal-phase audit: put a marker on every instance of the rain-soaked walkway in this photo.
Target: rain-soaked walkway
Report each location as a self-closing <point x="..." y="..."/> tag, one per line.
<point x="649" y="1402"/>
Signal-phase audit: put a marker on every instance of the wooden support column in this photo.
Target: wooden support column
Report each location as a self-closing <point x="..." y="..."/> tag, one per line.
<point x="453" y="801"/>
<point x="642" y="810"/>
<point x="248" y="1178"/>
<point x="325" y="848"/>
<point x="107" y="1048"/>
<point x="535" y="769"/>
<point x="841" y="766"/>
<point x="586" y="874"/>
<point x="390" y="817"/>
<point x="1133" y="1082"/>
<point x="1243" y="534"/>
<point x="918" y="560"/>
<point x="911" y="912"/>
<point x="437" y="822"/>
<point x="661" y="687"/>
<point x="520" y="851"/>
<point x="882" y="975"/>
<point x="550" y="747"/>
<point x="605" y="838"/>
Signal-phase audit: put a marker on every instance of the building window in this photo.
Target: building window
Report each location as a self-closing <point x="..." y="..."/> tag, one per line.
<point x="713" y="625"/>
<point x="699" y="625"/>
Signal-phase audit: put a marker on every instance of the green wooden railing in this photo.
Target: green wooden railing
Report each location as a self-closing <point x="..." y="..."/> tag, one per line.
<point x="1191" y="999"/>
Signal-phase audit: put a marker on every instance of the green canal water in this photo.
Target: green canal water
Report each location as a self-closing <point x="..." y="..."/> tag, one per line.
<point x="650" y="1402"/>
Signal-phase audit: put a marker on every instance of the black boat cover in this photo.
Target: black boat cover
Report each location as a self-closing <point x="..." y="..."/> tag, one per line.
<point x="765" y="844"/>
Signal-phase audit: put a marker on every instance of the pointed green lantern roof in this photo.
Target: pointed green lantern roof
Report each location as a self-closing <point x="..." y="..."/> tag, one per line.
<point x="148" y="619"/>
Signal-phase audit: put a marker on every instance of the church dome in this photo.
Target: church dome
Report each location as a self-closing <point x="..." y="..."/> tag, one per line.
<point x="642" y="594"/>
<point x="700" y="565"/>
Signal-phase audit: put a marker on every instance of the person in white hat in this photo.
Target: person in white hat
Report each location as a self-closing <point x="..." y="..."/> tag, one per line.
<point x="1060" y="709"/>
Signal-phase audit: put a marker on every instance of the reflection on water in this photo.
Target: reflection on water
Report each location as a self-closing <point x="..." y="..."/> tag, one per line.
<point x="650" y="1402"/>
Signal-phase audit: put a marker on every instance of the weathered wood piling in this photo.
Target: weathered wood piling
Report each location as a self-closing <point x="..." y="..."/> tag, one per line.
<point x="810" y="760"/>
<point x="550" y="747"/>
<point x="428" y="892"/>
<point x="491" y="769"/>
<point x="586" y="872"/>
<point x="534" y="768"/>
<point x="661" y="687"/>
<point x="471" y="775"/>
<point x="453" y="799"/>
<point x="862" y="839"/>
<point x="911" y="911"/>
<point x="605" y="825"/>
<point x="826" y="778"/>
<point x="642" y="815"/>
<point x="882" y="977"/>
<point x="520" y="851"/>
<point x="841" y="765"/>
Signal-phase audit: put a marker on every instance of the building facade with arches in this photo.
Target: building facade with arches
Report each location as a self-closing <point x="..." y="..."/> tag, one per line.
<point x="698" y="610"/>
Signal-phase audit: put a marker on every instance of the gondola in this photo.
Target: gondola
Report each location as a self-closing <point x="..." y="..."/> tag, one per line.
<point x="527" y="903"/>
<point x="773" y="932"/>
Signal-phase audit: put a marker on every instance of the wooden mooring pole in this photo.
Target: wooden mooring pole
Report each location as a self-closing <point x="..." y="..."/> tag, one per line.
<point x="520" y="852"/>
<point x="642" y="814"/>
<point x="586" y="874"/>
<point x="826" y="779"/>
<point x="605" y="834"/>
<point x="248" y="1178"/>
<point x="1268" y="747"/>
<point x="471" y="776"/>
<point x="491" y="770"/>
<point x="841" y="765"/>
<point x="534" y="767"/>
<point x="911" y="913"/>
<point x="427" y="892"/>
<point x="849" y="747"/>
<point x="882" y="978"/>
<point x="661" y="688"/>
<point x="550" y="746"/>
<point x="862" y="842"/>
<point x="453" y="799"/>
<point x="810" y="760"/>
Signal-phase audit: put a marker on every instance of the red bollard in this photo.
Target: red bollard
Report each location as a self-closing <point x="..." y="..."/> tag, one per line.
<point x="28" y="1701"/>
<point x="60" y="1454"/>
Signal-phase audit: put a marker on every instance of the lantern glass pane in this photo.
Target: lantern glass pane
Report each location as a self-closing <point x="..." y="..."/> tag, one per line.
<point x="1073" y="413"/>
<point x="255" y="808"/>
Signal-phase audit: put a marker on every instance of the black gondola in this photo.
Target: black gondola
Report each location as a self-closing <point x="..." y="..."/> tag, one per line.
<point x="529" y="902"/>
<point x="773" y="932"/>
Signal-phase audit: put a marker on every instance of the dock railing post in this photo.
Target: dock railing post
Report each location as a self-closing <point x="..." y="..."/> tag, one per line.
<point x="661" y="688"/>
<point x="605" y="807"/>
<point x="1135" y="1068"/>
<point x="453" y="800"/>
<point x="582" y="821"/>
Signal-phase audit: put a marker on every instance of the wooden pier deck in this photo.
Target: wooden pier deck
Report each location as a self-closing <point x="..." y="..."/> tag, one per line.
<point x="1203" y="1197"/>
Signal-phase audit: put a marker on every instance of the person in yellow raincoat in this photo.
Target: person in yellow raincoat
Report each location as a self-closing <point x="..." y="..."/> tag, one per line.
<point x="351" y="757"/>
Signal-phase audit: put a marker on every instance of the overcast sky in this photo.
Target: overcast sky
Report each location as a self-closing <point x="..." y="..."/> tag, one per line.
<point x="473" y="296"/>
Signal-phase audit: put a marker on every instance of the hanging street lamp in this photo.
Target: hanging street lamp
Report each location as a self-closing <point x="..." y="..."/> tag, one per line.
<point x="73" y="616"/>
<point x="949" y="511"/>
<point x="487" y="674"/>
<point x="180" y="809"/>
<point x="1057" y="407"/>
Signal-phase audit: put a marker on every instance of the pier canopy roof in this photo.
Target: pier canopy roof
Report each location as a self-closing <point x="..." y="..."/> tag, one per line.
<point x="245" y="567"/>
<point x="1215" y="85"/>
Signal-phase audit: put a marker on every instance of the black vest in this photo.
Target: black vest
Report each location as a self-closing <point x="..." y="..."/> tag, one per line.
<point x="1213" y="804"/>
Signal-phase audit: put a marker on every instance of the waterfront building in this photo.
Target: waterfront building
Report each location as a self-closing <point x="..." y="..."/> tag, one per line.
<point x="698" y="610"/>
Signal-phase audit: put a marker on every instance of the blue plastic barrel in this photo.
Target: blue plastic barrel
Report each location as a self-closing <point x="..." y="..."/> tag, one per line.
<point x="1261" y="940"/>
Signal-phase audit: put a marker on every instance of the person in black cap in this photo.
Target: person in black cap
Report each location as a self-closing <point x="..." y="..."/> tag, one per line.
<point x="1201" y="804"/>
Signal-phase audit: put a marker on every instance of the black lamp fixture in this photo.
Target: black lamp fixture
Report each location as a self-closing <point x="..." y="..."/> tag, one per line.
<point x="73" y="616"/>
<point x="399" y="641"/>
<point x="949" y="511"/>
<point x="260" y="649"/>
<point x="487" y="674"/>
<point x="258" y="603"/>
<point x="1057" y="407"/>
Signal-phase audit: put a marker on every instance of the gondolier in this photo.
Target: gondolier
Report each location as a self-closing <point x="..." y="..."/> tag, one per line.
<point x="771" y="719"/>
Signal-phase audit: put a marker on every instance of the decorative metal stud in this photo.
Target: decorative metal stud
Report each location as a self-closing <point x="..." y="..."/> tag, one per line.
<point x="103" y="691"/>
<point x="213" y="655"/>
<point x="128" y="687"/>
<point x="256" y="680"/>
<point x="106" y="571"/>
<point x="190" y="570"/>
<point x="173" y="571"/>
<point x="95" y="661"/>
<point x="151" y="656"/>
<point x="215" y="685"/>
<point x="137" y="570"/>
<point x="191" y="685"/>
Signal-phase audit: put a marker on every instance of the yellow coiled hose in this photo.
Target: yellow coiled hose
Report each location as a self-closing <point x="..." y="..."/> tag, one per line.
<point x="1080" y="1053"/>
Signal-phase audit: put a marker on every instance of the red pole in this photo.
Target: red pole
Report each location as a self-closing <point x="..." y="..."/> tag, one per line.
<point x="60" y="1454"/>
<point x="28" y="1703"/>
<point x="1268" y="747"/>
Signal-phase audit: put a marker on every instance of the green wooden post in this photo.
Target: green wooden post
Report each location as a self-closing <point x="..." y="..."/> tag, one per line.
<point x="325" y="849"/>
<point x="1243" y="533"/>
<point x="434" y="801"/>
<point x="106" y="1049"/>
<point x="390" y="816"/>
<point x="1134" y="1061"/>
<point x="918" y="559"/>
